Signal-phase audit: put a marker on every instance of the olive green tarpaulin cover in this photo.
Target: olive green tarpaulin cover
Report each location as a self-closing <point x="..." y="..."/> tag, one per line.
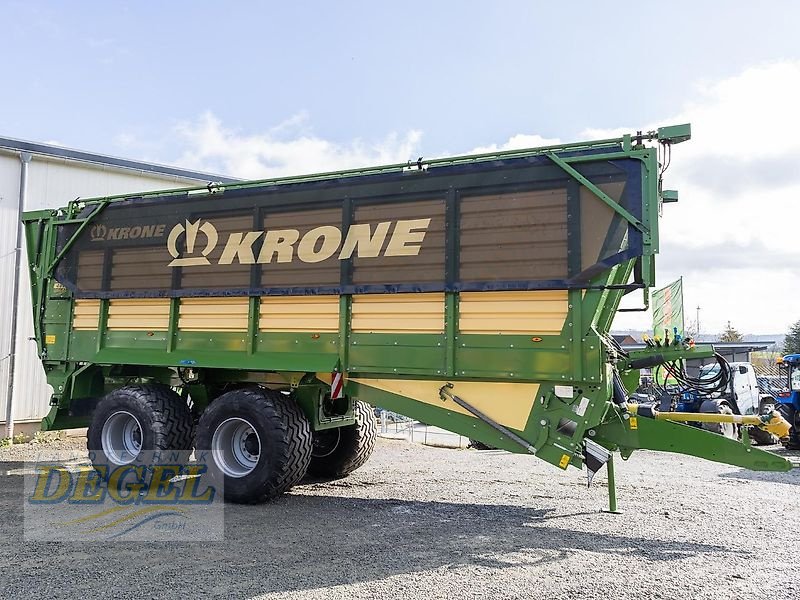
<point x="512" y="224"/>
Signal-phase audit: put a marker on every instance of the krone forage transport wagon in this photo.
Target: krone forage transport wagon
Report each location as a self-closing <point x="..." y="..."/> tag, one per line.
<point x="256" y="320"/>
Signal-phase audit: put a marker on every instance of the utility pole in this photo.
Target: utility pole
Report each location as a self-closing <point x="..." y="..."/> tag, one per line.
<point x="698" y="322"/>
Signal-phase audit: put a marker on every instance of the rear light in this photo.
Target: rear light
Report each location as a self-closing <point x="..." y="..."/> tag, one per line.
<point x="784" y="394"/>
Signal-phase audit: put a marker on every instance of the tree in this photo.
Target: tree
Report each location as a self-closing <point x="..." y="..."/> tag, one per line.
<point x="691" y="330"/>
<point x="730" y="335"/>
<point x="791" y="343"/>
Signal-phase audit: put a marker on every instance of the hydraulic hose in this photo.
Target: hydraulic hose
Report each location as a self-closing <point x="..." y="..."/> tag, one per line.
<point x="703" y="386"/>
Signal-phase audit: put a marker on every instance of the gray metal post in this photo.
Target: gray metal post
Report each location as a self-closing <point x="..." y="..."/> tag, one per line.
<point x="25" y="159"/>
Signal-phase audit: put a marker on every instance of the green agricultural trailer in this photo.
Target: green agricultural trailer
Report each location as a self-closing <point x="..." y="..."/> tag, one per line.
<point x="258" y="320"/>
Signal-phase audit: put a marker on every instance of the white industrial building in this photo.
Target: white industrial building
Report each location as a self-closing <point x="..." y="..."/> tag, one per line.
<point x="37" y="176"/>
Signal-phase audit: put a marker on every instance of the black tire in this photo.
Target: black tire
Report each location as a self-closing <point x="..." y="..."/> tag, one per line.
<point x="159" y="415"/>
<point x="283" y="442"/>
<point x="761" y="437"/>
<point x="727" y="430"/>
<point x="766" y="405"/>
<point x="788" y="412"/>
<point x="478" y="445"/>
<point x="338" y="452"/>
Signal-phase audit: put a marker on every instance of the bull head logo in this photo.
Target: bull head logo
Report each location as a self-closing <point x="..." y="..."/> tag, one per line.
<point x="191" y="230"/>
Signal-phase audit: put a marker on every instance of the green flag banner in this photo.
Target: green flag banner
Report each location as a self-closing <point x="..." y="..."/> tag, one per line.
<point x="668" y="309"/>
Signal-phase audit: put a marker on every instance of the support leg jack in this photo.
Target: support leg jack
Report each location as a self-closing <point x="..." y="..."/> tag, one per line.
<point x="612" y="489"/>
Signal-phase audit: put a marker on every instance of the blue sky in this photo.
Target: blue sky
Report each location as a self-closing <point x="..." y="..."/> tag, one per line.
<point x="265" y="88"/>
<point x="465" y="73"/>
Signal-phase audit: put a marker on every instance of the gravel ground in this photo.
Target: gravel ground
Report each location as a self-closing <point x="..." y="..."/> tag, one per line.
<point x="423" y="523"/>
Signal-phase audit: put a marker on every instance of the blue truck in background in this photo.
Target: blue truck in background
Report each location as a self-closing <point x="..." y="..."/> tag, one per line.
<point x="788" y="400"/>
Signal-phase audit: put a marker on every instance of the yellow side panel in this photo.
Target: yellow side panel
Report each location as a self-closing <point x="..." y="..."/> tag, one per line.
<point x="509" y="404"/>
<point x="527" y="312"/>
<point x="319" y="314"/>
<point x="325" y="377"/>
<point x="139" y="313"/>
<point x="398" y="313"/>
<point x="214" y="314"/>
<point x="85" y="314"/>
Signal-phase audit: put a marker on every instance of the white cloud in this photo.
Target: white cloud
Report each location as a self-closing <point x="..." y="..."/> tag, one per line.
<point x="274" y="153"/>
<point x="740" y="201"/>
<point x="125" y="140"/>
<point x="517" y="142"/>
<point x="732" y="235"/>
<point x="98" y="43"/>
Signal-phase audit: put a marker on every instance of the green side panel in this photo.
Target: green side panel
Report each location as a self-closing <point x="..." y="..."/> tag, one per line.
<point x="475" y="356"/>
<point x="141" y="340"/>
<point x="511" y="356"/>
<point x="83" y="345"/>
<point x="409" y="353"/>
<point x="210" y="342"/>
<point x="299" y="352"/>
<point x="57" y="322"/>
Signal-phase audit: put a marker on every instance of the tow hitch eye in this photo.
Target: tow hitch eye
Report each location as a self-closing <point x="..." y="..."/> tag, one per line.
<point x="775" y="424"/>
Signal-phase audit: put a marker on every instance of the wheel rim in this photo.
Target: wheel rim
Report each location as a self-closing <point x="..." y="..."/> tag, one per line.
<point x="122" y="438"/>
<point x="236" y="447"/>
<point x="729" y="430"/>
<point x="326" y="442"/>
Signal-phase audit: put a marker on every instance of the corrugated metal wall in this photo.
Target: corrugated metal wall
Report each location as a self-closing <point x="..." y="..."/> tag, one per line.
<point x="52" y="182"/>
<point x="9" y="196"/>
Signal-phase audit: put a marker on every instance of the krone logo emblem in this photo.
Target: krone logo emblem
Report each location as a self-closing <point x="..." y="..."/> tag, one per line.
<point x="191" y="230"/>
<point x="98" y="232"/>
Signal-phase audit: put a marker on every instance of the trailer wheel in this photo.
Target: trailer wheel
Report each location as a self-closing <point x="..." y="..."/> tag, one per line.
<point x="727" y="430"/>
<point x="792" y="441"/>
<point x="258" y="442"/>
<point x="761" y="437"/>
<point x="135" y="419"/>
<point x="338" y="452"/>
